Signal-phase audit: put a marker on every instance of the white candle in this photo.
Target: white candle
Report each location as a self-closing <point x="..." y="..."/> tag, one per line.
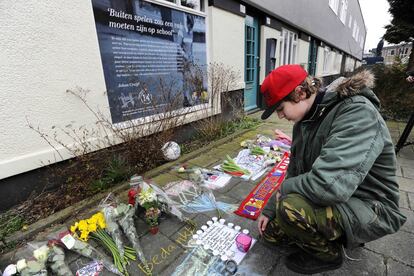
<point x="237" y="228"/>
<point x="199" y="232"/>
<point x="214" y="219"/>
<point x="204" y="227"/>
<point x="245" y="231"/>
<point x="222" y="221"/>
<point x="195" y="236"/>
<point x="209" y="223"/>
<point x="230" y="225"/>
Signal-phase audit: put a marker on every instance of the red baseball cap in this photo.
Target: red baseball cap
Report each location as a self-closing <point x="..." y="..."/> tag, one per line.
<point x="279" y="83"/>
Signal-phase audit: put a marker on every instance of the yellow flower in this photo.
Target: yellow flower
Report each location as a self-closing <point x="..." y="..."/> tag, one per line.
<point x="82" y="225"/>
<point x="74" y="227"/>
<point x="92" y="227"/>
<point x="84" y="236"/>
<point x="101" y="223"/>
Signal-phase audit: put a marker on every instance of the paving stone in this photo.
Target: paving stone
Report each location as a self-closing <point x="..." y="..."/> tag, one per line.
<point x="369" y="264"/>
<point x="184" y="234"/>
<point x="159" y="252"/>
<point x="171" y="268"/>
<point x="398" y="246"/>
<point x="397" y="268"/>
<point x="409" y="224"/>
<point x="405" y="157"/>
<point x="164" y="178"/>
<point x="205" y="160"/>
<point x="170" y="224"/>
<point x="399" y="171"/>
<point x="404" y="200"/>
<point x="406" y="184"/>
<point x="411" y="200"/>
<point x="241" y="191"/>
<point x="259" y="260"/>
<point x="233" y="146"/>
<point x="407" y="172"/>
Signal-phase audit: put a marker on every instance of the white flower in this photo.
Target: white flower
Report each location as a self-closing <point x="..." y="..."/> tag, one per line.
<point x="21" y="264"/>
<point x="41" y="253"/>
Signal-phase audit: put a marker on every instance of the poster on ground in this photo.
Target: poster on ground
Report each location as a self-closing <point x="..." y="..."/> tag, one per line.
<point x="153" y="57"/>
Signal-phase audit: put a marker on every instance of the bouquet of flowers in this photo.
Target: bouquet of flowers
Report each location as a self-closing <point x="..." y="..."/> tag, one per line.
<point x="35" y="265"/>
<point x="126" y="220"/>
<point x="120" y="214"/>
<point x="147" y="198"/>
<point x="94" y="227"/>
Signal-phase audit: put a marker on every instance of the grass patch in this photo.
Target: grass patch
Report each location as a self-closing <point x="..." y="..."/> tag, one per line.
<point x="10" y="222"/>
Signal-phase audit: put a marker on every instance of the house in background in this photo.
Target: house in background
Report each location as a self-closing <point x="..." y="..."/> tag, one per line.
<point x="401" y="51"/>
<point x="94" y="44"/>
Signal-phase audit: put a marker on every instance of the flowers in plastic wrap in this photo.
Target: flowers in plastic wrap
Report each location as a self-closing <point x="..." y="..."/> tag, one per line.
<point x="79" y="245"/>
<point x="147" y="198"/>
<point x="126" y="220"/>
<point x="56" y="259"/>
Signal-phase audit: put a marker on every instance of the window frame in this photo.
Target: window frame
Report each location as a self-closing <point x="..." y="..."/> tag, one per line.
<point x="176" y="4"/>
<point x="343" y="11"/>
<point x="334" y="5"/>
<point x="288" y="47"/>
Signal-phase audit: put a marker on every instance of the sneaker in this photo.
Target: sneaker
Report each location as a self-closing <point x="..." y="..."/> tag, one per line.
<point x="302" y="262"/>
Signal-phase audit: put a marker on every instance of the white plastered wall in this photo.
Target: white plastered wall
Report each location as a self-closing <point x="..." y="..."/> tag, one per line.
<point x="303" y="53"/>
<point x="48" y="47"/>
<point x="226" y="42"/>
<point x="266" y="33"/>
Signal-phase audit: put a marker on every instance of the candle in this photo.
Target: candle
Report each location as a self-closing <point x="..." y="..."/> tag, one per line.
<point x="222" y="221"/>
<point x="230" y="225"/>
<point x="237" y="228"/>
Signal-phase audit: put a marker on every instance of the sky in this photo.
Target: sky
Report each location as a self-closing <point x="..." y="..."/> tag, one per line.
<point x="376" y="16"/>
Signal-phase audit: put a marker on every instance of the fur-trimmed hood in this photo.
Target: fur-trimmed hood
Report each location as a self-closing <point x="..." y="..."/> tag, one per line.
<point x="360" y="83"/>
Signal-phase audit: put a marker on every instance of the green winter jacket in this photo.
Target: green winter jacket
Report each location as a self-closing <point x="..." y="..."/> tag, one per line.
<point x="343" y="156"/>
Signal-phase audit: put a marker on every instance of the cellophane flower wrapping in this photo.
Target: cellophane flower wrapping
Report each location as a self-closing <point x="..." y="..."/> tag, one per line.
<point x="34" y="261"/>
<point x="86" y="250"/>
<point x="56" y="260"/>
<point x="108" y="209"/>
<point x="127" y="223"/>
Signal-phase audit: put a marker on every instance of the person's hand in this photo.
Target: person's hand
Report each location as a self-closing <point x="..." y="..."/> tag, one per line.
<point x="262" y="223"/>
<point x="410" y="79"/>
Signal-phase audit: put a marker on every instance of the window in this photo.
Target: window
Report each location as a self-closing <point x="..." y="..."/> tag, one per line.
<point x="326" y="60"/>
<point x="344" y="8"/>
<point x="334" y="4"/>
<point x="354" y="29"/>
<point x="289" y="47"/>
<point x="192" y="4"/>
<point x="392" y="52"/>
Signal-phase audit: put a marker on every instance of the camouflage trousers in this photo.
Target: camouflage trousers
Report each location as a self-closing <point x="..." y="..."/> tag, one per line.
<point x="313" y="228"/>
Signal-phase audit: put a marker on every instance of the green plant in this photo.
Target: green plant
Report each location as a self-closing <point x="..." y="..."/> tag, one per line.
<point x="395" y="93"/>
<point x="10" y="222"/>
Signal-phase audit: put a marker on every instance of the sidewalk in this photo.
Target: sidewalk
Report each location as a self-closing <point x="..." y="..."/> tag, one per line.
<point x="391" y="255"/>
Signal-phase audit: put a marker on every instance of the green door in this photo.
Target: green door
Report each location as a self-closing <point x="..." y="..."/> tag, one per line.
<point x="251" y="62"/>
